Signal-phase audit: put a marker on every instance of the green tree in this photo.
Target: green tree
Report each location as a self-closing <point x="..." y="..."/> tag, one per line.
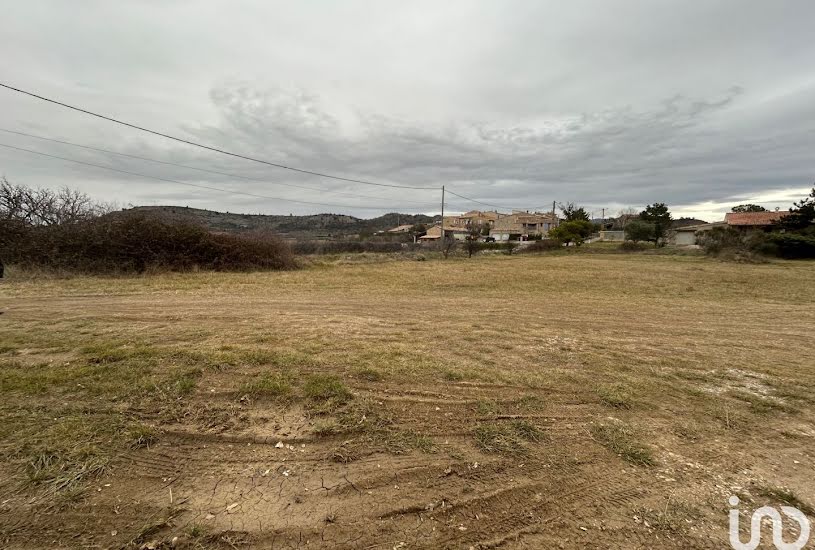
<point x="748" y="208"/>
<point x="638" y="230"/>
<point x="659" y="216"/>
<point x="573" y="212"/>
<point x="418" y="229"/>
<point x="801" y="218"/>
<point x="575" y="231"/>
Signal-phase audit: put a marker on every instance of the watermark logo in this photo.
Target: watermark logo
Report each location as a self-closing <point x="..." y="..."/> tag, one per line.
<point x="777" y="525"/>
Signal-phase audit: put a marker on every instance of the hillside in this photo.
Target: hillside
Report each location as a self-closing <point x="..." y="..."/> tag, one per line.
<point x="293" y="227"/>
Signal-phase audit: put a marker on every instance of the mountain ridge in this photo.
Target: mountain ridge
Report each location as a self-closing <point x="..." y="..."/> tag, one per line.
<point x="311" y="226"/>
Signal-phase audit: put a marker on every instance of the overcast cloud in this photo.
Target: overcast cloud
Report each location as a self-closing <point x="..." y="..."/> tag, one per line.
<point x="702" y="105"/>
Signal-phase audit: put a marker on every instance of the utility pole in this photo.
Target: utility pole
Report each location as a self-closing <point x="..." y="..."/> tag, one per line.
<point x="441" y="239"/>
<point x="553" y="214"/>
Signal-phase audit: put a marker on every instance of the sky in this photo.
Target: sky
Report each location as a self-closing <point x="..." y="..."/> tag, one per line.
<point x="516" y="104"/>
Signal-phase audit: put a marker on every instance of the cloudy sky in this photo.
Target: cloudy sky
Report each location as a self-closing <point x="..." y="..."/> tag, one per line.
<point x="701" y="105"/>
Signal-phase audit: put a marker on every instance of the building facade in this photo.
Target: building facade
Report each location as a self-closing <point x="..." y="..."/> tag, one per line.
<point x="522" y="226"/>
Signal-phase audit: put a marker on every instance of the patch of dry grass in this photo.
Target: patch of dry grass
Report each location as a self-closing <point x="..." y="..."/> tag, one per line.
<point x="531" y="333"/>
<point x="620" y="438"/>
<point x="507" y="437"/>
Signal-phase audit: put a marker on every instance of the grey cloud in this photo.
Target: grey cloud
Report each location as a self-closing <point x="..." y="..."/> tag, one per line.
<point x="669" y="152"/>
<point x="513" y="103"/>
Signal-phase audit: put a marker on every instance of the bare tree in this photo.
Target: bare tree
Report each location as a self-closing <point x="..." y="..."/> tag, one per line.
<point x="37" y="207"/>
<point x="25" y="210"/>
<point x="448" y="246"/>
<point x="623" y="217"/>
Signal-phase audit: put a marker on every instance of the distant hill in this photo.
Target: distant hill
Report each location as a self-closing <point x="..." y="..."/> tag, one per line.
<point x="292" y="227"/>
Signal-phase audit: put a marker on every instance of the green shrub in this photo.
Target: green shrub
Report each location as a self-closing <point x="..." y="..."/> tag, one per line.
<point x="728" y="241"/>
<point x="575" y="231"/>
<point x="716" y="240"/>
<point x="545" y="245"/>
<point x="791" y="245"/>
<point x="640" y="230"/>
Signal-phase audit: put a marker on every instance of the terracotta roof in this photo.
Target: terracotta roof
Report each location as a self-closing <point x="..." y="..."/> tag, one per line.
<point x="753" y="218"/>
<point x="435" y="232"/>
<point x="477" y="215"/>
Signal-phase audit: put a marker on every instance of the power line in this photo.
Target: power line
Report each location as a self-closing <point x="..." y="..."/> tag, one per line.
<point x="187" y="183"/>
<point x="107" y="151"/>
<point x="474" y="200"/>
<point x="489" y="204"/>
<point x="225" y="152"/>
<point x="534" y="209"/>
<point x="201" y="145"/>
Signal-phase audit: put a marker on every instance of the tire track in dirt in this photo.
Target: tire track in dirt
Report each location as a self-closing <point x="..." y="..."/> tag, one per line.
<point x="503" y="514"/>
<point x="223" y="478"/>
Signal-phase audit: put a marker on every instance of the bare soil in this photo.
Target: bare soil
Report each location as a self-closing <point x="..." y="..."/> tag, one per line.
<point x="517" y="402"/>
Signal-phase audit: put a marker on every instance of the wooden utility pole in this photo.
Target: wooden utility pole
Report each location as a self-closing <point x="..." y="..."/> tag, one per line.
<point x="441" y="239"/>
<point x="553" y="214"/>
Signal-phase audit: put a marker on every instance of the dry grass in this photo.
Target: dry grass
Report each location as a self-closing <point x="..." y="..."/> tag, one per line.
<point x="621" y="439"/>
<point x="509" y="438"/>
<point x="268" y="385"/>
<point x="700" y="360"/>
<point x="785" y="496"/>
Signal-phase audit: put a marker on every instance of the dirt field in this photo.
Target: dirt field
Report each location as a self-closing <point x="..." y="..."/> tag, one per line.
<point x="593" y="400"/>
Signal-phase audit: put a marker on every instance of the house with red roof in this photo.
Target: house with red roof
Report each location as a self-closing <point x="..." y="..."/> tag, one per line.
<point x="750" y="221"/>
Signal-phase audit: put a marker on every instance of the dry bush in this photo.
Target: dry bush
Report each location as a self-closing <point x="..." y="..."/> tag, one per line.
<point x="346" y="247"/>
<point x="66" y="230"/>
<point x="137" y="242"/>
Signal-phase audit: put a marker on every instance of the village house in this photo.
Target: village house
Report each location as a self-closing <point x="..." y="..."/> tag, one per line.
<point x="472" y="221"/>
<point x="752" y="221"/>
<point x="461" y="227"/>
<point x="741" y="221"/>
<point x="522" y="226"/>
<point x="434" y="233"/>
<point x="686" y="235"/>
<point x="475" y="219"/>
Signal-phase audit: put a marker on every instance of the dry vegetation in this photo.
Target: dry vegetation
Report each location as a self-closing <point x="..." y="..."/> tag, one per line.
<point x="611" y="401"/>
